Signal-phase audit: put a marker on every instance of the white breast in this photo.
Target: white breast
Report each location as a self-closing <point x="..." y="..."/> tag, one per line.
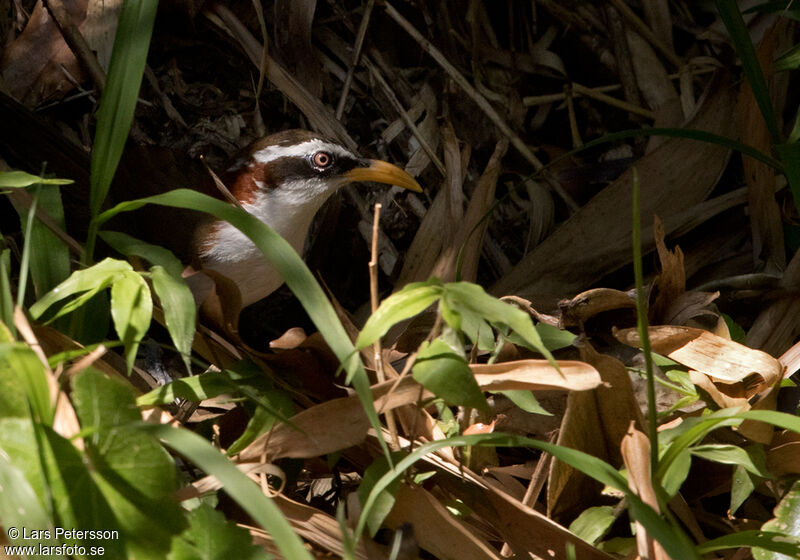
<point x="289" y="211"/>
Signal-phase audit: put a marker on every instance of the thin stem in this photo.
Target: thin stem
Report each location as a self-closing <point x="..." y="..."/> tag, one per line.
<point x="642" y="323"/>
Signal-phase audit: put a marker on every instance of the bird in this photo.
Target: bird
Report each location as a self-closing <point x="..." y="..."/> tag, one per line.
<point x="282" y="179"/>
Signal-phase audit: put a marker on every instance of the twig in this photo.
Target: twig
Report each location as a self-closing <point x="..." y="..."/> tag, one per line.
<point x="373" y="293"/>
<point x="76" y="42"/>
<point x="613" y="101"/>
<point x="647" y="33"/>
<point x="362" y="32"/>
<point x="409" y="122"/>
<point x="533" y="100"/>
<point x="480" y="100"/>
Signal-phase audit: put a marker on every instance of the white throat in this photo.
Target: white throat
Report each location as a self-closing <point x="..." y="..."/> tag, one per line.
<point x="289" y="211"/>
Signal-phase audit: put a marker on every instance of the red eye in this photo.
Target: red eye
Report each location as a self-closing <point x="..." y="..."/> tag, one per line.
<point x="322" y="159"/>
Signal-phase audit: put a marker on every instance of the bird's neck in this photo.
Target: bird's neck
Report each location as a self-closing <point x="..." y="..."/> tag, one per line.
<point x="289" y="212"/>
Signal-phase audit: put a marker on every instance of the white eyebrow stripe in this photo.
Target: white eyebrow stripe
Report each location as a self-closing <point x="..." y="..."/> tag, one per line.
<point x="306" y="148"/>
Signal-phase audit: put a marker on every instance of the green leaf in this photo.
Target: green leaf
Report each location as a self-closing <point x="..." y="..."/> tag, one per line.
<point x="784" y="546"/>
<point x="790" y="60"/>
<point x="466" y="297"/>
<point x="85" y="282"/>
<point x="49" y="256"/>
<point x="674" y="541"/>
<point x="180" y="312"/>
<point x="734" y="455"/>
<point x="554" y="338"/>
<point x="690" y="431"/>
<point x="130" y="246"/>
<point x="195" y="388"/>
<point x="447" y="375"/>
<point x="526" y="401"/>
<point x="131" y="310"/>
<point x="384" y="499"/>
<point x="243" y="490"/>
<point x="6" y="299"/>
<point x="20" y="179"/>
<point x="677" y="472"/>
<point x="786" y="523"/>
<point x="118" y="102"/>
<point x="22" y="498"/>
<point x="593" y="523"/>
<point x="20" y="366"/>
<point x="263" y="418"/>
<point x="411" y="300"/>
<point x="135" y="474"/>
<point x="742" y="487"/>
<point x="293" y="270"/>
<point x="789" y="154"/>
<point x="211" y="537"/>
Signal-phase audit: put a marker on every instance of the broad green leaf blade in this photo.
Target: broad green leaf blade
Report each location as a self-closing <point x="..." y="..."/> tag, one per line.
<point x="134" y="472"/>
<point x="19" y="362"/>
<point x="20" y="179"/>
<point x="196" y="388"/>
<point x="742" y="487"/>
<point x="765" y="545"/>
<point x="447" y="375"/>
<point x="130" y="246"/>
<point x="210" y="536"/>
<point x="789" y="60"/>
<point x="19" y="504"/>
<point x="411" y="300"/>
<point x="131" y="310"/>
<point x="734" y="455"/>
<point x="263" y="418"/>
<point x="237" y="485"/>
<point x="385" y="498"/>
<point x="526" y="401"/>
<point x="464" y="296"/>
<point x="593" y="523"/>
<point x="554" y="338"/>
<point x="180" y="312"/>
<point x="49" y="256"/>
<point x="293" y="270"/>
<point x="790" y="157"/>
<point x="786" y="522"/>
<point x="118" y="102"/>
<point x="88" y="281"/>
<point x="76" y="498"/>
<point x="692" y="430"/>
<point x="6" y="299"/>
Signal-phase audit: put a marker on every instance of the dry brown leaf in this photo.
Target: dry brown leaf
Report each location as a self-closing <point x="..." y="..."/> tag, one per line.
<point x="636" y="454"/>
<point x="783" y="455"/>
<point x="776" y="327"/>
<point x="473" y="227"/>
<point x="596" y="239"/>
<point x="616" y="401"/>
<point x="524" y="529"/>
<point x="568" y="489"/>
<point x="671" y="282"/>
<point x="31" y="65"/>
<point x="576" y="311"/>
<point x="536" y="375"/>
<point x="315" y="526"/>
<point x="435" y="529"/>
<point x="724" y="360"/>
